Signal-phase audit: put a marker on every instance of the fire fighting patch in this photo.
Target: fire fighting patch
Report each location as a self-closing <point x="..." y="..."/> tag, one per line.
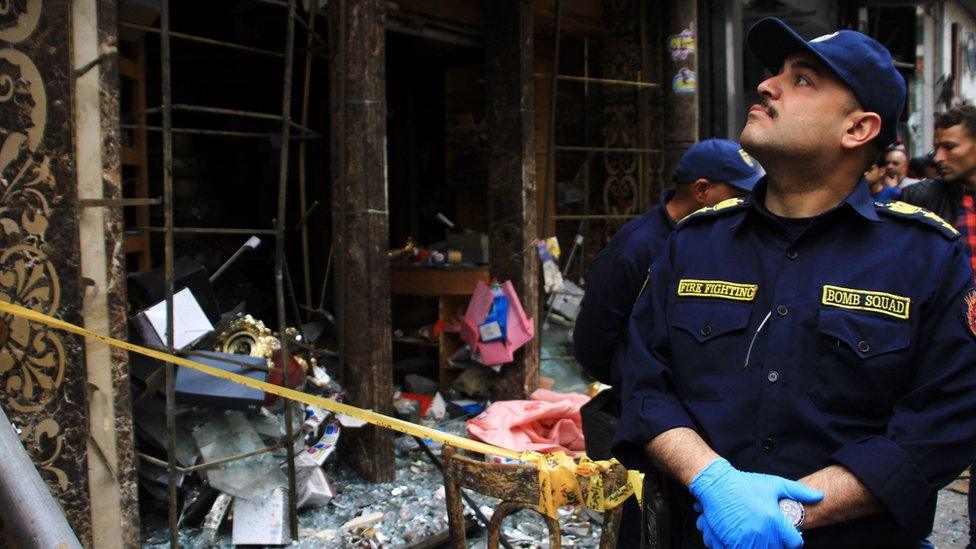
<point x="690" y="287"/>
<point x="866" y="300"/>
<point x="969" y="309"/>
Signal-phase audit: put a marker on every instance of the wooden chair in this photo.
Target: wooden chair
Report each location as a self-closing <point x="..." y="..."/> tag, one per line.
<point x="518" y="488"/>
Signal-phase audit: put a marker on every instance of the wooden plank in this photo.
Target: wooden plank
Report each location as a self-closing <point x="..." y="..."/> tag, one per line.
<point x="512" y="216"/>
<point x="436" y="282"/>
<point x="361" y="224"/>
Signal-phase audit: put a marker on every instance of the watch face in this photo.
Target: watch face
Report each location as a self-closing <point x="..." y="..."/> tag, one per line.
<point x="793" y="510"/>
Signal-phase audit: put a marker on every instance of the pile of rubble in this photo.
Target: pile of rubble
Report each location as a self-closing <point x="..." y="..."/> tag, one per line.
<point x="231" y="441"/>
<point x="410" y="511"/>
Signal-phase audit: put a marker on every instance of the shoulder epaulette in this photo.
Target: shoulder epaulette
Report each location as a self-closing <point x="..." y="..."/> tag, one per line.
<point x="896" y="208"/>
<point x="725" y="206"/>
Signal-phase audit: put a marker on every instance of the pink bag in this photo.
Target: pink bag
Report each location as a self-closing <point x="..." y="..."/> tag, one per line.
<point x="519" y="331"/>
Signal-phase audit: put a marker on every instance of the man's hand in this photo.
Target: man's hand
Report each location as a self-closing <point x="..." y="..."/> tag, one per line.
<point x="741" y="509"/>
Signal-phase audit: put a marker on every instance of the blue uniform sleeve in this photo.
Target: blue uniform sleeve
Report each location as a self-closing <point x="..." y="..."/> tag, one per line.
<point x="613" y="285"/>
<point x="931" y="436"/>
<point x="649" y="405"/>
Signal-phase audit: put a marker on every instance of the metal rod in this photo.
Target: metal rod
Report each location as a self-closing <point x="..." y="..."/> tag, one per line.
<point x="606" y="81"/>
<point x="293" y="300"/>
<point x="167" y="100"/>
<point x="313" y="350"/>
<point x="215" y="463"/>
<point x="325" y="278"/>
<point x="308" y="27"/>
<point x="31" y="517"/>
<point x="228" y="112"/>
<point x="203" y="40"/>
<point x="302" y="202"/>
<point x="548" y="184"/>
<point x="223" y="359"/>
<point x="202" y="230"/>
<point x="286" y="86"/>
<point x="238" y="457"/>
<point x="308" y="213"/>
<point x="155" y="461"/>
<point x="611" y="150"/>
<point x="252" y="244"/>
<point x="340" y="184"/>
<point x="223" y="133"/>
<point x="593" y="217"/>
<point x="114" y="202"/>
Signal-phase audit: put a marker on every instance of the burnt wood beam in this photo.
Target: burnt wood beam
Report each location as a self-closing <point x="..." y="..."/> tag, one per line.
<point x="509" y="56"/>
<point x="361" y="224"/>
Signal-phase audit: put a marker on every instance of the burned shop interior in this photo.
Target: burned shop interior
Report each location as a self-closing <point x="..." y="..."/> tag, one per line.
<point x="386" y="205"/>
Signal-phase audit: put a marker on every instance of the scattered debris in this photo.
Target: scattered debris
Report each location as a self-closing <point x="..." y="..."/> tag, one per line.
<point x="215" y="518"/>
<point x="362" y="522"/>
<point x="262" y="520"/>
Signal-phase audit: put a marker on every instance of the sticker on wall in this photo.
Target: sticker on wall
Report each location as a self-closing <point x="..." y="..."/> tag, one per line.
<point x="685" y="81"/>
<point x="682" y="45"/>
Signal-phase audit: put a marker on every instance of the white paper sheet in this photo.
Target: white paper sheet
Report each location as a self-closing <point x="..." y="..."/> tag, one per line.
<point x="189" y="321"/>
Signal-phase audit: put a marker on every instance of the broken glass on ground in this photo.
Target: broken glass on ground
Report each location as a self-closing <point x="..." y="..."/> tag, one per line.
<point x="226" y="433"/>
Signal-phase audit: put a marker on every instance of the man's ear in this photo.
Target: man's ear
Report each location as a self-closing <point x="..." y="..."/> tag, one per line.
<point x="861" y="129"/>
<point x="700" y="189"/>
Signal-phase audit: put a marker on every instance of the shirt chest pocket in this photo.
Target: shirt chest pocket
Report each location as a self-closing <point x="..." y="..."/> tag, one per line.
<point x="861" y="365"/>
<point x="708" y="345"/>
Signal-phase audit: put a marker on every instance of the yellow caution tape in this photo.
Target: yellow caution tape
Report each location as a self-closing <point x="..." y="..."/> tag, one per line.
<point x="557" y="472"/>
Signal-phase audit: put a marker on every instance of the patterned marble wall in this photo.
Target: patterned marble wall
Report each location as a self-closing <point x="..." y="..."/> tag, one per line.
<point x="42" y="371"/>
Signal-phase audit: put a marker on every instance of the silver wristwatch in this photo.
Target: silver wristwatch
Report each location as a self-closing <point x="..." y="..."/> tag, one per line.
<point x="793" y="511"/>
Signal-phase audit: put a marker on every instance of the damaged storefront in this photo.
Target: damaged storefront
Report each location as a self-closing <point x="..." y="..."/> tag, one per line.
<point x="390" y="205"/>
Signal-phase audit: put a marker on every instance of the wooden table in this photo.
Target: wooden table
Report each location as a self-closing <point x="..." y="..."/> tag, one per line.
<point x="452" y="286"/>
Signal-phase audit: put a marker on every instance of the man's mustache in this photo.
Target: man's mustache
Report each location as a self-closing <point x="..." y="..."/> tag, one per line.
<point x="764" y="101"/>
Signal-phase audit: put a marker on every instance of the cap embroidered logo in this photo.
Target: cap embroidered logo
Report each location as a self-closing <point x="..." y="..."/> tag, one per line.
<point x="824" y="38"/>
<point x="746" y="158"/>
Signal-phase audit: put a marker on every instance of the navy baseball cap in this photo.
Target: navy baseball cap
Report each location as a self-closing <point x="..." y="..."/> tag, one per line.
<point x="719" y="160"/>
<point x="857" y="59"/>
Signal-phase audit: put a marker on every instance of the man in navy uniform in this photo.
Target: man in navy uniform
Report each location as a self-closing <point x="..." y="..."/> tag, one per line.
<point x="710" y="172"/>
<point x="802" y="360"/>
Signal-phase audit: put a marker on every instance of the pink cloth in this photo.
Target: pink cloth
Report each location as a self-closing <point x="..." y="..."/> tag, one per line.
<point x="549" y="422"/>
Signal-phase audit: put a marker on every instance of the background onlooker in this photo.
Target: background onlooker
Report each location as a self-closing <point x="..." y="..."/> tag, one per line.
<point x="896" y="167"/>
<point x="876" y="178"/>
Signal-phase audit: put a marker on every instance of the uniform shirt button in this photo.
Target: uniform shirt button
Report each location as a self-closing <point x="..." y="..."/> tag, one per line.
<point x="767" y="444"/>
<point x="791" y="254"/>
<point x="781" y="310"/>
<point x="706" y="329"/>
<point x="773" y="376"/>
<point x="864" y="346"/>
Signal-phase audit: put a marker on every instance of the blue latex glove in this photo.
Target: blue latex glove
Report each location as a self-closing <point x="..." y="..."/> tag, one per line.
<point x="741" y="510"/>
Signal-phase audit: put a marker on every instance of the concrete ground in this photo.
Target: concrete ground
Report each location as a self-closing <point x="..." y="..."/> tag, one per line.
<point x="951" y="528"/>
